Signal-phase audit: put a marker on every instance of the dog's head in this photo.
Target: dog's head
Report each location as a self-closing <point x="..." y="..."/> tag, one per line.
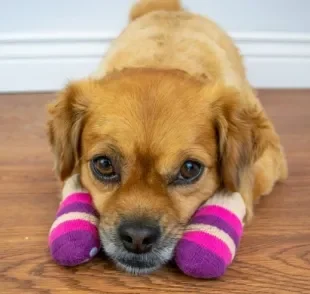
<point x="151" y="146"/>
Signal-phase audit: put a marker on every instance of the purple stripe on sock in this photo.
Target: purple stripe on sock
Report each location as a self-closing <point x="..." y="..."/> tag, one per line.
<point x="77" y="207"/>
<point x="74" y="247"/>
<point x="198" y="261"/>
<point x="218" y="223"/>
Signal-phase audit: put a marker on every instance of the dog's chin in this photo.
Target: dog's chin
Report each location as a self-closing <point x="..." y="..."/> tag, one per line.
<point x="133" y="269"/>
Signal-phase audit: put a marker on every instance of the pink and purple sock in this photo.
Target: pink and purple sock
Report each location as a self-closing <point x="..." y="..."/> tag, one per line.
<point x="212" y="237"/>
<point x="73" y="237"/>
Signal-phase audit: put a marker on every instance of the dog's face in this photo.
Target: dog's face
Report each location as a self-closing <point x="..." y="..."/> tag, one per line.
<point x="151" y="147"/>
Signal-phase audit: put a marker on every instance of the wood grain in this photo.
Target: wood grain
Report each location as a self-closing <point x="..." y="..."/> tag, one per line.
<point x="275" y="252"/>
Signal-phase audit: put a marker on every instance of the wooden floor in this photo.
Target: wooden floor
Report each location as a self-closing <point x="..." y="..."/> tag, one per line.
<point x="275" y="252"/>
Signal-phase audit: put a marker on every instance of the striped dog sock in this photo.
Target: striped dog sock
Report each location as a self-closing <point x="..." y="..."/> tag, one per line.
<point x="73" y="237"/>
<point x="212" y="237"/>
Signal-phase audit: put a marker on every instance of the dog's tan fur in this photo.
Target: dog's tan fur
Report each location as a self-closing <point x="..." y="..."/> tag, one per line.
<point x="172" y="86"/>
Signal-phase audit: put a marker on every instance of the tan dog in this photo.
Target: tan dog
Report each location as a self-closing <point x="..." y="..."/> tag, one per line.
<point x="167" y="119"/>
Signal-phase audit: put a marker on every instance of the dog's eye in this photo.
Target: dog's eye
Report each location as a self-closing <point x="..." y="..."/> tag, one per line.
<point x="189" y="172"/>
<point x="102" y="168"/>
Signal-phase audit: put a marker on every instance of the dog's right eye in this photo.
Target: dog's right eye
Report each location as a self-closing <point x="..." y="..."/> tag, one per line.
<point x="189" y="173"/>
<point x="104" y="170"/>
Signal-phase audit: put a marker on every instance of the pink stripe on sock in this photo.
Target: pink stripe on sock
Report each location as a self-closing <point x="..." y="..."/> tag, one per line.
<point x="76" y="197"/>
<point x="211" y="243"/>
<point x="224" y="214"/>
<point x="73" y="225"/>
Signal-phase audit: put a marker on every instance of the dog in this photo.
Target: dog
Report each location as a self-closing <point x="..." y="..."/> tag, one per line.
<point x="166" y="120"/>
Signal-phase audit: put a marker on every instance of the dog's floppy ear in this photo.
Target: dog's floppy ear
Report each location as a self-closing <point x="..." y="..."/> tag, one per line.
<point x="65" y="125"/>
<point x="242" y="135"/>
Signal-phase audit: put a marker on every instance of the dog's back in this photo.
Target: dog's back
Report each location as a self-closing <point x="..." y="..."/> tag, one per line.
<point x="162" y="35"/>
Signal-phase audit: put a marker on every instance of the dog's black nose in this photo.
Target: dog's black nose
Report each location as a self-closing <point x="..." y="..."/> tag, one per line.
<point x="138" y="237"/>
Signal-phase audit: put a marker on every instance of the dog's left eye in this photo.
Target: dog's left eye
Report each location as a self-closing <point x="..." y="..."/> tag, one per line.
<point x="189" y="172"/>
<point x="103" y="169"/>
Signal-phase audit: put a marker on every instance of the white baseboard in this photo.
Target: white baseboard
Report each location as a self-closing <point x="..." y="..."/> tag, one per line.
<point x="45" y="62"/>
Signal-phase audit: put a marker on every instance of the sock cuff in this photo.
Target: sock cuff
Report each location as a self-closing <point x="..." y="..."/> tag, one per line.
<point x="232" y="202"/>
<point x="72" y="185"/>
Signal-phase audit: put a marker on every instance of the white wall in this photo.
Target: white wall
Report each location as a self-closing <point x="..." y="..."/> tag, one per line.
<point x="18" y="16"/>
<point x="45" y="43"/>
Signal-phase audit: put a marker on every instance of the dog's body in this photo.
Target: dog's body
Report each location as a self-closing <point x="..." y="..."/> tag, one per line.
<point x="171" y="90"/>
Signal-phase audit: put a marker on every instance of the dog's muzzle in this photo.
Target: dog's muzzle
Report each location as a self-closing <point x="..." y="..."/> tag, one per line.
<point x="138" y="246"/>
